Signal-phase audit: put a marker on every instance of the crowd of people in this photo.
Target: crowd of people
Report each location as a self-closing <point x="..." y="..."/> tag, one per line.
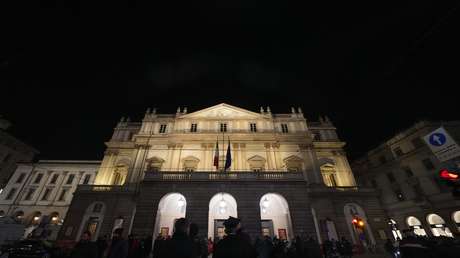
<point x="412" y="245"/>
<point x="186" y="243"/>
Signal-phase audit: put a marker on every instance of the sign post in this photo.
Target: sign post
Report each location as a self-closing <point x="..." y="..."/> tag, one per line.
<point x="442" y="144"/>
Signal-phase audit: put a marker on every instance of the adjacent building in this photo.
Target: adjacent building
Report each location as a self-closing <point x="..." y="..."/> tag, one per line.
<point x="288" y="176"/>
<point x="12" y="151"/>
<point x="44" y="190"/>
<point x="405" y="171"/>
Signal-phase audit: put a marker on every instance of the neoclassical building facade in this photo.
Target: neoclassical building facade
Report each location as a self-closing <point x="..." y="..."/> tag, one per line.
<point x="288" y="177"/>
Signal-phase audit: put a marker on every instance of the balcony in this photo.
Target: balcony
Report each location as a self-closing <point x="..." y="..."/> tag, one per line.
<point x="223" y="176"/>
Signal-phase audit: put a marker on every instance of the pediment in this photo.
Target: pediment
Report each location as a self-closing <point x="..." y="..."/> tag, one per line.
<point x="224" y="111"/>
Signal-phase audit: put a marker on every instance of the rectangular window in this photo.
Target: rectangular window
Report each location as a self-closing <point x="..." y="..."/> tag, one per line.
<point x="408" y="171"/>
<point x="417" y="142"/>
<point x="62" y="195"/>
<point x="223" y="127"/>
<point x="46" y="194"/>
<point x="70" y="179"/>
<point x="86" y="179"/>
<point x="399" y="195"/>
<point x="428" y="164"/>
<point x="391" y="177"/>
<point x="54" y="179"/>
<point x="29" y="194"/>
<point x="398" y="151"/>
<point x="11" y="194"/>
<point x="20" y="178"/>
<point x="253" y="127"/>
<point x="163" y="128"/>
<point x="38" y="178"/>
<point x="284" y="128"/>
<point x="193" y="128"/>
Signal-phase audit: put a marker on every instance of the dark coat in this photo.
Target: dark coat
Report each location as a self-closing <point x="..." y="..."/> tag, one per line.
<point x="118" y="249"/>
<point x="179" y="246"/>
<point x="233" y="246"/>
<point x="85" y="249"/>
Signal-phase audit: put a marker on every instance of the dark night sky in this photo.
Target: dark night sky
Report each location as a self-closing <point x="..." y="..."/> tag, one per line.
<point x="70" y="71"/>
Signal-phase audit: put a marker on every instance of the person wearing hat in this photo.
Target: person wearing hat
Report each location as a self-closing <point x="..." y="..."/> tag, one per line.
<point x="234" y="244"/>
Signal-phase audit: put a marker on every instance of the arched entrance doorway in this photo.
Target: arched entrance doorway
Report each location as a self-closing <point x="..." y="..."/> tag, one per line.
<point x="275" y="216"/>
<point x="221" y="206"/>
<point x="456" y="218"/>
<point x="360" y="235"/>
<point x="415" y="225"/>
<point x="171" y="207"/>
<point x="438" y="225"/>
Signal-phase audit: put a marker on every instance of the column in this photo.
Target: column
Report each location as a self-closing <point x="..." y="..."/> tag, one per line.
<point x="240" y="158"/>
<point x="272" y="153"/>
<point x="177" y="161"/>
<point x="170" y="157"/>
<point x="244" y="162"/>
<point x="347" y="169"/>
<point x="269" y="157"/>
<point x="313" y="174"/>
<point x="277" y="155"/>
<point x="137" y="156"/>
<point x="236" y="159"/>
<point x="104" y="174"/>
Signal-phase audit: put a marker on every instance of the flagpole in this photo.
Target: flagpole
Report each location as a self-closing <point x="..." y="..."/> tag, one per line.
<point x="223" y="146"/>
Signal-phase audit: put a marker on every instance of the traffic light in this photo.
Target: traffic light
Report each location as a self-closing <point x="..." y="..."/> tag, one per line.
<point x="451" y="176"/>
<point x="358" y="222"/>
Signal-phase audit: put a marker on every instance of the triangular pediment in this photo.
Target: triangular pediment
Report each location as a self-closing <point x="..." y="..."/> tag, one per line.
<point x="224" y="111"/>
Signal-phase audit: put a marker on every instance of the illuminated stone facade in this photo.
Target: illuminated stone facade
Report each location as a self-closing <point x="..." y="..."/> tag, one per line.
<point x="289" y="176"/>
<point x="405" y="171"/>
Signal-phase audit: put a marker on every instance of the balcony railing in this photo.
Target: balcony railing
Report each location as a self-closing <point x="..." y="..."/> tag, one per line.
<point x="224" y="176"/>
<point x="106" y="188"/>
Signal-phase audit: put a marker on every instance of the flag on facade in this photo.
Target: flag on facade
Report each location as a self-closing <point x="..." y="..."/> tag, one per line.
<point x="216" y="154"/>
<point x="228" y="158"/>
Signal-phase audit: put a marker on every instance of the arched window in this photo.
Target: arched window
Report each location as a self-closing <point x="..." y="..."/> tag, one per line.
<point x="329" y="174"/>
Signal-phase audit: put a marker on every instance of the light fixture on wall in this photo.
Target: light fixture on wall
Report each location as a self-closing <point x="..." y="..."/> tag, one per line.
<point x="181" y="202"/>
<point x="222" y="202"/>
<point x="266" y="202"/>
<point x="36" y="218"/>
<point x="222" y="210"/>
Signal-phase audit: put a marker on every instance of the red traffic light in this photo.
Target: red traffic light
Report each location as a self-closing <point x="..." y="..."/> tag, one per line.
<point x="448" y="175"/>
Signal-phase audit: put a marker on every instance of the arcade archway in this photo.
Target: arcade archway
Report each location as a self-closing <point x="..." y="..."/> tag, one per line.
<point x="275" y="216"/>
<point x="221" y="206"/>
<point x="456" y="218"/>
<point x="438" y="225"/>
<point x="415" y="225"/>
<point x="171" y="207"/>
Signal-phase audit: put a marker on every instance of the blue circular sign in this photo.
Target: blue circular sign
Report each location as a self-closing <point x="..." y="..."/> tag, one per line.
<point x="437" y="139"/>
